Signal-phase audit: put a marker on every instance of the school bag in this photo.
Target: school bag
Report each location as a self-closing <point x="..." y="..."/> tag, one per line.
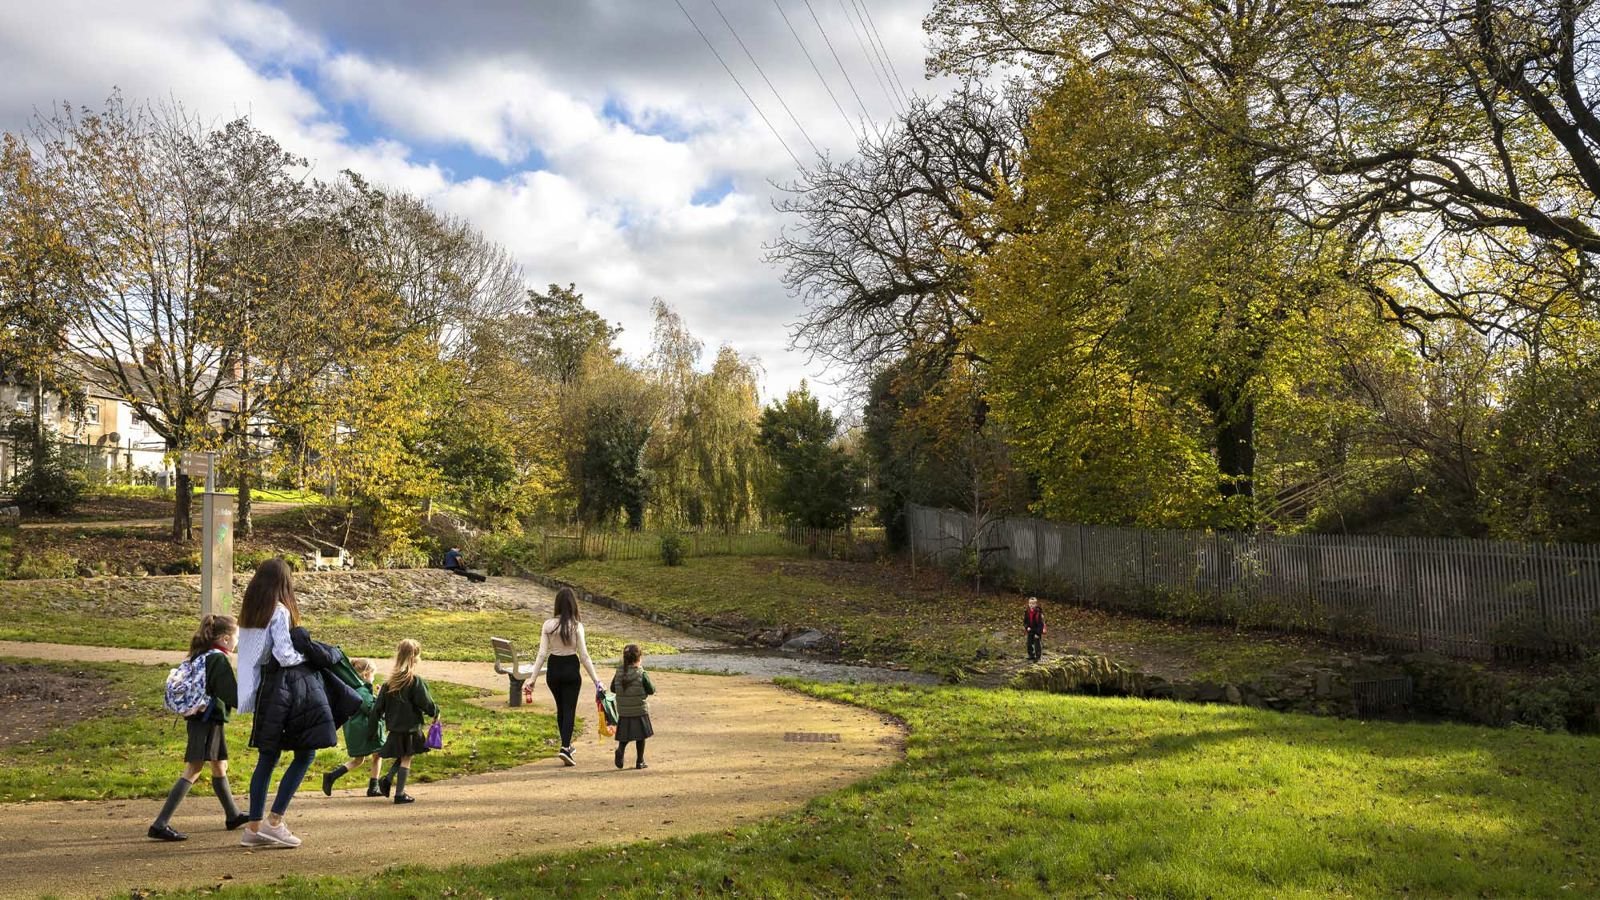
<point x="186" y="687"/>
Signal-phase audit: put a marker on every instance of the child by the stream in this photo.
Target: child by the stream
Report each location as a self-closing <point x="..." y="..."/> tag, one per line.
<point x="632" y="686"/>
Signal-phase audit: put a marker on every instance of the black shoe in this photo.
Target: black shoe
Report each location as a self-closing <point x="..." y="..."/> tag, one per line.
<point x="566" y="757"/>
<point x="372" y="788"/>
<point x="404" y="798"/>
<point x="641" y="764"/>
<point x="328" y="780"/>
<point x="234" y="822"/>
<point x="166" y="833"/>
<point x="620" y="748"/>
<point x="385" y="784"/>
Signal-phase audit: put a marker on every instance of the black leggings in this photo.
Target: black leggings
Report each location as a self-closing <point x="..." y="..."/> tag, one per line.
<point x="565" y="684"/>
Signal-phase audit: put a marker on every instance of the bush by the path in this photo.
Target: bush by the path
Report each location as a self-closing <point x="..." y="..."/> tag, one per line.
<point x="879" y="612"/>
<point x="133" y="747"/>
<point x="1009" y="793"/>
<point x="366" y="613"/>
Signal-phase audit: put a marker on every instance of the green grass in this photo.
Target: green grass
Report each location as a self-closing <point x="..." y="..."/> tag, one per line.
<point x="881" y="613"/>
<point x="134" y="748"/>
<point x="82" y="613"/>
<point x="1011" y="794"/>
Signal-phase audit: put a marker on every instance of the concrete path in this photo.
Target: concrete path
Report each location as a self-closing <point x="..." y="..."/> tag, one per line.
<point x="719" y="760"/>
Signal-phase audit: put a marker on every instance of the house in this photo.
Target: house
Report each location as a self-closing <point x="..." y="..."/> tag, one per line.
<point x="107" y="436"/>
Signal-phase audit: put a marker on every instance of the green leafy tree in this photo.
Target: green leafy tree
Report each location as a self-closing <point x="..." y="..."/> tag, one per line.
<point x="1544" y="454"/>
<point x="816" y="482"/>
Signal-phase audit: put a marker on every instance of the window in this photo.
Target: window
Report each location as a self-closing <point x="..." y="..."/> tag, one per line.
<point x="91" y="414"/>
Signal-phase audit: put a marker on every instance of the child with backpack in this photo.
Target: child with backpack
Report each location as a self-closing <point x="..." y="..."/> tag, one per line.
<point x="363" y="736"/>
<point x="632" y="686"/>
<point x="203" y="690"/>
<point x="404" y="704"/>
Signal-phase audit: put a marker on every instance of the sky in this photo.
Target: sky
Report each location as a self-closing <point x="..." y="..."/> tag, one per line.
<point x="600" y="141"/>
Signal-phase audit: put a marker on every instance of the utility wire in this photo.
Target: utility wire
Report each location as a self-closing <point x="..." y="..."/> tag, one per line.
<point x="837" y="60"/>
<point x="759" y="71"/>
<point x="872" y="65"/>
<point x="825" y="86"/>
<point x="740" y="84"/>
<point x="888" y="63"/>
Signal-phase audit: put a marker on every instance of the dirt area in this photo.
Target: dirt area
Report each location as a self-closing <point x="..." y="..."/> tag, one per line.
<point x="36" y="699"/>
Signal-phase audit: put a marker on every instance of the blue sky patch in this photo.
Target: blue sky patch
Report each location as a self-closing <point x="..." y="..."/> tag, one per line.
<point x="712" y="194"/>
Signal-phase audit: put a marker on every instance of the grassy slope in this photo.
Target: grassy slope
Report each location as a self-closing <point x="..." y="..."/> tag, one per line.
<point x="1021" y="794"/>
<point x="135" y="747"/>
<point x="881" y="613"/>
<point x="76" y="614"/>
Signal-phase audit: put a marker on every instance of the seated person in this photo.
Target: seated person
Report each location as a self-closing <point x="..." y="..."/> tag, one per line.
<point x="452" y="561"/>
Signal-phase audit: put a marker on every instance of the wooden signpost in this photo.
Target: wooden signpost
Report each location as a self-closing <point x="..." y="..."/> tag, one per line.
<point x="216" y="548"/>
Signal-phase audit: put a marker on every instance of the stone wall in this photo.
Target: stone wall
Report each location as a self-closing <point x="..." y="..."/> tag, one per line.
<point x="1320" y="687"/>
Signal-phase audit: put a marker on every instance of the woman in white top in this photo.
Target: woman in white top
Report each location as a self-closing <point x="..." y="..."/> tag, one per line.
<point x="281" y="715"/>
<point x="562" y="642"/>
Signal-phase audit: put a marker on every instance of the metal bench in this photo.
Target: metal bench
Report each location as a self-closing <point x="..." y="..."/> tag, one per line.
<point x="512" y="663"/>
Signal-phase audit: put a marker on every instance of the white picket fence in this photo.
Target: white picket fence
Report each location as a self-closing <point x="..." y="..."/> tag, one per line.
<point x="1466" y="598"/>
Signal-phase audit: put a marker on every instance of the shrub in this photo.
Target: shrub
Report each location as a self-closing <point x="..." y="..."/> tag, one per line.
<point x="50" y="490"/>
<point x="505" y="554"/>
<point x="189" y="565"/>
<point x="673" y="549"/>
<point x="250" y="560"/>
<point x="46" y="564"/>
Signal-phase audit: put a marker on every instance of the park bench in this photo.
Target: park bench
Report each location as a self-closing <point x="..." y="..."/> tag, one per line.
<point x="512" y="663"/>
<point x="321" y="555"/>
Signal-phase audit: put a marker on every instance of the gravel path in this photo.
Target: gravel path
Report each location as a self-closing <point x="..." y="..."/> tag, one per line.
<point x="720" y="758"/>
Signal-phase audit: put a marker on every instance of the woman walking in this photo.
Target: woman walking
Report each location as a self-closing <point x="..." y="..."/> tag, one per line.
<point x="287" y="696"/>
<point x="561" y="640"/>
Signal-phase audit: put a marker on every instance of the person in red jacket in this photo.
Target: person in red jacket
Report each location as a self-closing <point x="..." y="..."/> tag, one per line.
<point x="1033" y="623"/>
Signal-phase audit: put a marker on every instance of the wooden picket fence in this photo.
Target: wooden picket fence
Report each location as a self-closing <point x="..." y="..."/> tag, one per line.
<point x="1467" y="598"/>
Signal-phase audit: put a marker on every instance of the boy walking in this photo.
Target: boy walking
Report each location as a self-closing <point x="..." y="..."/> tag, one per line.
<point x="1033" y="623"/>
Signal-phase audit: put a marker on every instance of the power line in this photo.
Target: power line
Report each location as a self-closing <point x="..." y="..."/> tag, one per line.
<point x="871" y="63"/>
<point x="888" y="63"/>
<point x="759" y="71"/>
<point x="740" y="84"/>
<point x="825" y="86"/>
<point x="837" y="60"/>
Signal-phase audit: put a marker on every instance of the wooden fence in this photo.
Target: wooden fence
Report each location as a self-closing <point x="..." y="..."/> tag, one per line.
<point x="634" y="545"/>
<point x="1468" y="598"/>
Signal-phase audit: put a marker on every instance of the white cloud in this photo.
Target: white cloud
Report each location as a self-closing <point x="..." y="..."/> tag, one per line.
<point x="602" y="122"/>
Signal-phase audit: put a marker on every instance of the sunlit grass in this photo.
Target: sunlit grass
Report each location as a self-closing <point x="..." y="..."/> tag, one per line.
<point x="1010" y="793"/>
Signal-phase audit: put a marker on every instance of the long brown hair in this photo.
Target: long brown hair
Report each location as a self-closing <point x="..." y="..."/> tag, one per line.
<point x="567" y="612"/>
<point x="212" y="629"/>
<point x="272" y="584"/>
<point x="405" y="658"/>
<point x="631" y="655"/>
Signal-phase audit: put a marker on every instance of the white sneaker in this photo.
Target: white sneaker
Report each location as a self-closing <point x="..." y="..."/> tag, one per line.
<point x="257" y="839"/>
<point x="566" y="757"/>
<point x="279" y="833"/>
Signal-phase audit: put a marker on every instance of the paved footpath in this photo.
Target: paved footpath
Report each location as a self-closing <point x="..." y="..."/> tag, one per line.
<point x="719" y="760"/>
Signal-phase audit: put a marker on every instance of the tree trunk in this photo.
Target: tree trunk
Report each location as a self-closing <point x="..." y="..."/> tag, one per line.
<point x="1233" y="417"/>
<point x="182" y="502"/>
<point x="242" y="525"/>
<point x="39" y="449"/>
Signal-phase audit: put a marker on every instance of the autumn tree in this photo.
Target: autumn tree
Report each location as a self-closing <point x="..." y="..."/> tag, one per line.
<point x="39" y="268"/>
<point x="138" y="197"/>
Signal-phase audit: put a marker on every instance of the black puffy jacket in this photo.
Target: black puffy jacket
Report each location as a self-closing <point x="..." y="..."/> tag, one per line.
<point x="293" y="706"/>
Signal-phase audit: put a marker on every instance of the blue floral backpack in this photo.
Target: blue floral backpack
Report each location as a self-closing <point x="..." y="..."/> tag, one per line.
<point x="186" y="687"/>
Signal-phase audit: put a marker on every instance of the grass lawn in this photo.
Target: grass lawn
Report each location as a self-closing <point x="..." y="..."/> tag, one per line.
<point x="881" y="613"/>
<point x="1008" y="793"/>
<point x="72" y="615"/>
<point x="134" y="747"/>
